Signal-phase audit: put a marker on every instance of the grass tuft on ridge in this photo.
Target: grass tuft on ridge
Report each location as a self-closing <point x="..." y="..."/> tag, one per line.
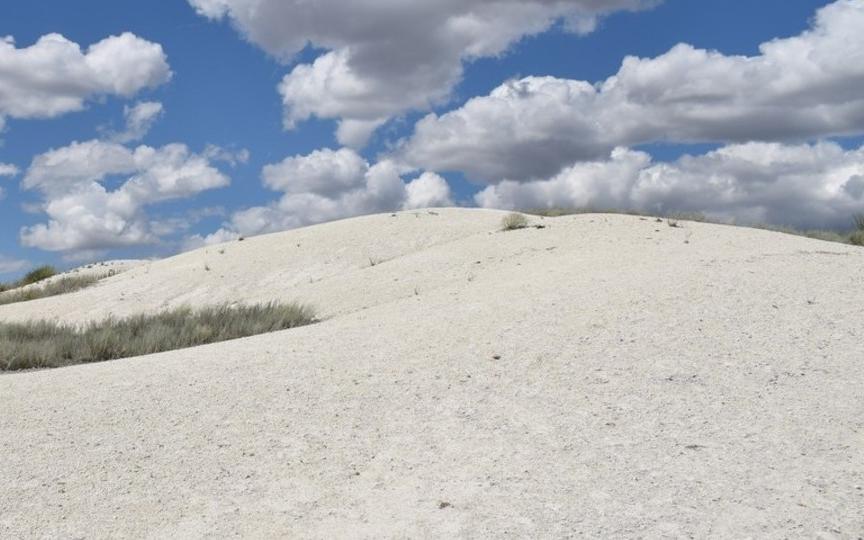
<point x="45" y="344"/>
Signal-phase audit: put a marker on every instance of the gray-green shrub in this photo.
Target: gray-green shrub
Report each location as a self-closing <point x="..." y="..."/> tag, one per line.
<point x="38" y="274"/>
<point x="45" y="344"/>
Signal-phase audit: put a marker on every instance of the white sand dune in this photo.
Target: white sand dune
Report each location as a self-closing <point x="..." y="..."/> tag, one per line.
<point x="606" y="376"/>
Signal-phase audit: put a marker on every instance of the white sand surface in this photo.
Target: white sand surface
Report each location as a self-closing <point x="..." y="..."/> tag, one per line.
<point x="606" y="376"/>
<point x="104" y="268"/>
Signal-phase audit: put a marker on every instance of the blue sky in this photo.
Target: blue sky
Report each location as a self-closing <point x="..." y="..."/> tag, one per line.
<point x="235" y="77"/>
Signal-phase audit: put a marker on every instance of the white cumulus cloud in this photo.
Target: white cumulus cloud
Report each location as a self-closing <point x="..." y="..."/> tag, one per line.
<point x="95" y="193"/>
<point x="226" y="155"/>
<point x="382" y="57"/>
<point x="800" y="88"/>
<point x="330" y="184"/>
<point x="427" y="190"/>
<point x="139" y="120"/>
<point x="808" y="185"/>
<point x="55" y="76"/>
<point x="323" y="172"/>
<point x="7" y="169"/>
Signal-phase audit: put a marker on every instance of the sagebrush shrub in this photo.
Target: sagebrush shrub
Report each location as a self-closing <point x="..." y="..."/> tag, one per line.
<point x="514" y="221"/>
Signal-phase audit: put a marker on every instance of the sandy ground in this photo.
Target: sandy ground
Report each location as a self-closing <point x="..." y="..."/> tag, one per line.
<point x="606" y="376"/>
<point x="103" y="268"/>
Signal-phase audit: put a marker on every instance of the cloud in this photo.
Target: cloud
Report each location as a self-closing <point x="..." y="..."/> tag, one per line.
<point x="808" y="185"/>
<point x="170" y="226"/>
<point x="323" y="172"/>
<point x="7" y="169"/>
<point x="9" y="265"/>
<point x="326" y="185"/>
<point x="800" y="88"/>
<point x="54" y="76"/>
<point x="139" y="119"/>
<point x="85" y="210"/>
<point x="226" y="155"/>
<point x="381" y="58"/>
<point x="427" y="190"/>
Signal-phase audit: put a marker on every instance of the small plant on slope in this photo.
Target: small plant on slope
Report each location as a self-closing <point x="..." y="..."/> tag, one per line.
<point x="514" y="221"/>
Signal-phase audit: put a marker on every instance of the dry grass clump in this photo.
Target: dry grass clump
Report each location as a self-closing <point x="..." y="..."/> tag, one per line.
<point x="45" y="345"/>
<point x="514" y="221"/>
<point x="857" y="236"/>
<point x="61" y="286"/>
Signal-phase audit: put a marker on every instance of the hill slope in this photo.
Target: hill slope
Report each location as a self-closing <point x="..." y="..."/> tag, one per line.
<point x="606" y="376"/>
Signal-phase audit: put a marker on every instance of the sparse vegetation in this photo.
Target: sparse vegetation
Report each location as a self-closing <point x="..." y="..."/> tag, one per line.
<point x="688" y="216"/>
<point x="816" y="234"/>
<point x="63" y="285"/>
<point x="514" y="221"/>
<point x="38" y="274"/>
<point x="856" y="237"/>
<point x="557" y="212"/>
<point x="34" y="276"/>
<point x="46" y="345"/>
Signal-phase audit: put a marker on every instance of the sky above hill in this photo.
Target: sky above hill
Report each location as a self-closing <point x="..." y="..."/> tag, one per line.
<point x="137" y="129"/>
